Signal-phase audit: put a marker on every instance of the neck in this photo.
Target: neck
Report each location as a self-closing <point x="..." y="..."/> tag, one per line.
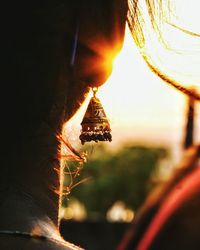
<point x="30" y="196"/>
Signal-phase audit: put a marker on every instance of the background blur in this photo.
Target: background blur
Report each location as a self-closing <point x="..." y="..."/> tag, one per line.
<point x="149" y="122"/>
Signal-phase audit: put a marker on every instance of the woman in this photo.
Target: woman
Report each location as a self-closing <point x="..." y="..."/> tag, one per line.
<point x="49" y="52"/>
<point x="52" y="53"/>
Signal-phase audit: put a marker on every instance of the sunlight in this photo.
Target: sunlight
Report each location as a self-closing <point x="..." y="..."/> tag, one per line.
<point x="120" y="213"/>
<point x="179" y="55"/>
<point x="137" y="100"/>
<point x="140" y="106"/>
<point x="187" y="16"/>
<point x="75" y="210"/>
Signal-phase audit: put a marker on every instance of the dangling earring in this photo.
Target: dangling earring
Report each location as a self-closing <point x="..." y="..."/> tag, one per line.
<point x="95" y="125"/>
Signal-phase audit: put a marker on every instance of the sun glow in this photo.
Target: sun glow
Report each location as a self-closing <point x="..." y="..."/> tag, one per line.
<point x="141" y="106"/>
<point x="136" y="99"/>
<point x="171" y="42"/>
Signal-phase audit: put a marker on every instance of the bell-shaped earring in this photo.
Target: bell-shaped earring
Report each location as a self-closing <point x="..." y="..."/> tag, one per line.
<point x="95" y="124"/>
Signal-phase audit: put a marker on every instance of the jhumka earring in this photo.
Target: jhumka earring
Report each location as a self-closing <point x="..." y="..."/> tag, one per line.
<point x="95" y="125"/>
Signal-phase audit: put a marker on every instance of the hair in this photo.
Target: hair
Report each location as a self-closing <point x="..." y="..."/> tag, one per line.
<point x="176" y="202"/>
<point x="41" y="86"/>
<point x="179" y="195"/>
<point x="147" y="21"/>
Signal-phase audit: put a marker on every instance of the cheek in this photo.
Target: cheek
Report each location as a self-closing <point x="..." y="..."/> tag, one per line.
<point x="99" y="38"/>
<point x="76" y="94"/>
<point x="91" y="67"/>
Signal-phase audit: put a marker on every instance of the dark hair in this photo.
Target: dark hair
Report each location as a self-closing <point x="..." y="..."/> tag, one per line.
<point x="37" y="46"/>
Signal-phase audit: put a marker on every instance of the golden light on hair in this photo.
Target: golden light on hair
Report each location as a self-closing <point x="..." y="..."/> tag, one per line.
<point x="139" y="104"/>
<point x="168" y="36"/>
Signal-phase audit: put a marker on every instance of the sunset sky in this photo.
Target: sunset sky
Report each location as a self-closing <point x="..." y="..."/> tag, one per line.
<point x="140" y="106"/>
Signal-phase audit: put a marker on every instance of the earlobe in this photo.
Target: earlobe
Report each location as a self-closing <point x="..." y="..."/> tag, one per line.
<point x="97" y="38"/>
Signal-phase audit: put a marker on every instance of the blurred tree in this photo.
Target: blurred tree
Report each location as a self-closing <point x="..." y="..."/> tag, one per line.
<point x="125" y="175"/>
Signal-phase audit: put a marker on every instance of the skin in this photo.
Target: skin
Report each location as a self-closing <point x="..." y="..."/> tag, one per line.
<point x="45" y="91"/>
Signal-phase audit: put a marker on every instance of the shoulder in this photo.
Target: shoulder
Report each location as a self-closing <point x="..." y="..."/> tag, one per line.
<point x="19" y="243"/>
<point x="171" y="211"/>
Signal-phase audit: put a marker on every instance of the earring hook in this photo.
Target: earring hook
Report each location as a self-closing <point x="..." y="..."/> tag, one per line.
<point x="94" y="90"/>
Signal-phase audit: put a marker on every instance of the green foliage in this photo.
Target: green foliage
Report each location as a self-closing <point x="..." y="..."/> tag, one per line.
<point x="125" y="175"/>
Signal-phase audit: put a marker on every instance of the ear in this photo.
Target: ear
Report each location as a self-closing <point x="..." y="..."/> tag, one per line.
<point x="100" y="36"/>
